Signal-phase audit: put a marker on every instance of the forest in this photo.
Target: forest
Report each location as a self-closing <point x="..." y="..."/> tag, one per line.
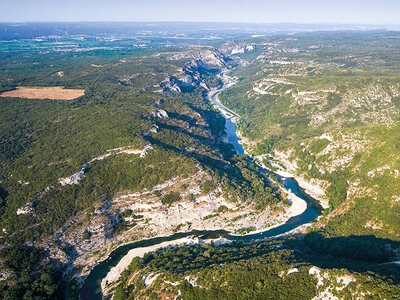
<point x="278" y="269"/>
<point x="43" y="141"/>
<point x="329" y="101"/>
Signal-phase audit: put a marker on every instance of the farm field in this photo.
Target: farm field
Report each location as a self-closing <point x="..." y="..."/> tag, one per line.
<point x="54" y="93"/>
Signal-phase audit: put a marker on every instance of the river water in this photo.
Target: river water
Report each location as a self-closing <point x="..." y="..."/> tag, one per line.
<point x="91" y="288"/>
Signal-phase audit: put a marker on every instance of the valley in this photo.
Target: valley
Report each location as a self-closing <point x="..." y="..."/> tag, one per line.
<point x="190" y="167"/>
<point x="260" y="225"/>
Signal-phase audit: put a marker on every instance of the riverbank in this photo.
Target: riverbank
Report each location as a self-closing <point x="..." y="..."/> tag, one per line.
<point x="116" y="271"/>
<point x="313" y="190"/>
<point x="298" y="205"/>
<point x="203" y="213"/>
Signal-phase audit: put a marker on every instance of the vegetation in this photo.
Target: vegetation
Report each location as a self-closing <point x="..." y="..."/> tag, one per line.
<point x="171" y="198"/>
<point x="98" y="134"/>
<point x="330" y="100"/>
<point x="36" y="277"/>
<point x="264" y="270"/>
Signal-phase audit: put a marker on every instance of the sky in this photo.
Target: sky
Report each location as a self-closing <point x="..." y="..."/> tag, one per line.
<point x="375" y="12"/>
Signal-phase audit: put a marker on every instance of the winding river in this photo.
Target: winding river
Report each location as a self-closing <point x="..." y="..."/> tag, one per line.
<point x="91" y="288"/>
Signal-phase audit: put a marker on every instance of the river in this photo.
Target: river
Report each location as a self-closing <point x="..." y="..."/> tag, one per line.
<point x="91" y="288"/>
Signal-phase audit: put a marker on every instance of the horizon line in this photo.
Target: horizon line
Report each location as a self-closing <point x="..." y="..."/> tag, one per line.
<point x="206" y="22"/>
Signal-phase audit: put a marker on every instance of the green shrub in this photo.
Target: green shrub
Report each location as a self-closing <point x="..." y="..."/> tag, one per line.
<point x="171" y="197"/>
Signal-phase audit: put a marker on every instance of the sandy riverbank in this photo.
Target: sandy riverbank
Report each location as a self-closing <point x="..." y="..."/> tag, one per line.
<point x="297" y="208"/>
<point x="298" y="205"/>
<point x="116" y="271"/>
<point x="310" y="188"/>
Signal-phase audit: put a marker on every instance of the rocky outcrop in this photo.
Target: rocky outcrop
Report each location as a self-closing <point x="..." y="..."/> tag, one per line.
<point x="236" y="47"/>
<point x="192" y="73"/>
<point x="159" y="113"/>
<point x="76" y="177"/>
<point x="204" y="57"/>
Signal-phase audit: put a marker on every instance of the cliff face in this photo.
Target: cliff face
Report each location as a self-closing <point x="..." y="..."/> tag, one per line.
<point x="200" y="62"/>
<point x="236" y="47"/>
<point x="206" y="56"/>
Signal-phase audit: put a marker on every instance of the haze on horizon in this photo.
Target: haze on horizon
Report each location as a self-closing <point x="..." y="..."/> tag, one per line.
<point x="374" y="12"/>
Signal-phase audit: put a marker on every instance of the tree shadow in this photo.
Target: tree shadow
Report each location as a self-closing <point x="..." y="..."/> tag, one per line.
<point x="180" y="129"/>
<point x="366" y="255"/>
<point x="207" y="161"/>
<point x="70" y="250"/>
<point x="214" y="119"/>
<point x="363" y="254"/>
<point x="178" y="116"/>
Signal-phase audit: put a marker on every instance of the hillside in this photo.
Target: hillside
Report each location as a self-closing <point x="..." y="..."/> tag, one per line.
<point x="140" y="154"/>
<point x="327" y="106"/>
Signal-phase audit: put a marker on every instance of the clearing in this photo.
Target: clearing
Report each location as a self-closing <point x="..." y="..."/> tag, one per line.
<point x="54" y="93"/>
